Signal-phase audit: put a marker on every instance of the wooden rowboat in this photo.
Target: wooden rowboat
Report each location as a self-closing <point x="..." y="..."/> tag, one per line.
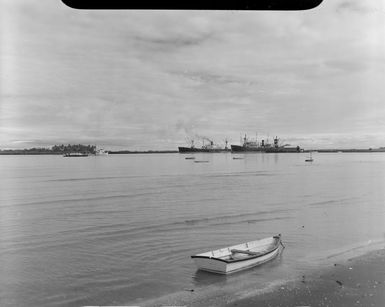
<point x="239" y="257"/>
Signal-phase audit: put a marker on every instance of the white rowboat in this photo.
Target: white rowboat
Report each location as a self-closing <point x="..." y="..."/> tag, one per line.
<point x="239" y="257"/>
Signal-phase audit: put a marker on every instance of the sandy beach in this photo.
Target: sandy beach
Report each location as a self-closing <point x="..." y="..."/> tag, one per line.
<point x="358" y="281"/>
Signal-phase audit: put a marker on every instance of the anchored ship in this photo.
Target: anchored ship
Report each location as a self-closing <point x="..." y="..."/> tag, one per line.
<point x="211" y="147"/>
<point x="255" y="146"/>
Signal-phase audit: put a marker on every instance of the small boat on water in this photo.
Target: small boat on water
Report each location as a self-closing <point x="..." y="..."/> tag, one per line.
<point x="239" y="257"/>
<point x="75" y="154"/>
<point x="310" y="159"/>
<point x="237" y="158"/>
<point x="190" y="158"/>
<point x="101" y="152"/>
<point x="201" y="161"/>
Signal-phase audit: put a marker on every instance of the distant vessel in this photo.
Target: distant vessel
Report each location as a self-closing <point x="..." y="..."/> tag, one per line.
<point x="310" y="159"/>
<point x="211" y="147"/>
<point x="249" y="145"/>
<point x="255" y="146"/>
<point x="75" y="154"/>
<point x="101" y="152"/>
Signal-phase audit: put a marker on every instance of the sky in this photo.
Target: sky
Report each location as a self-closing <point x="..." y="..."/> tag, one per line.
<point x="141" y="80"/>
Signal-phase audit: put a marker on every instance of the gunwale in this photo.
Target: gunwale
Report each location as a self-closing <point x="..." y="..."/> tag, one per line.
<point x="269" y="251"/>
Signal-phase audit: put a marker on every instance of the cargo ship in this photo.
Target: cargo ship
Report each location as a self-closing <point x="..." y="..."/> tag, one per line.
<point x="205" y="148"/>
<point x="255" y="146"/>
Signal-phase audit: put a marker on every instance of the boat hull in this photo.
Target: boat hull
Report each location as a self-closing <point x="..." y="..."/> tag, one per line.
<point x="283" y="149"/>
<point x="218" y="267"/>
<point x="75" y="155"/>
<point x="238" y="148"/>
<point x="193" y="149"/>
<point x="252" y="254"/>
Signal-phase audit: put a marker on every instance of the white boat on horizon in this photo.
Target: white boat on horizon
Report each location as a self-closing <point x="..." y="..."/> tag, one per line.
<point x="239" y="257"/>
<point x="75" y="154"/>
<point x="101" y="152"/>
<point x="310" y="158"/>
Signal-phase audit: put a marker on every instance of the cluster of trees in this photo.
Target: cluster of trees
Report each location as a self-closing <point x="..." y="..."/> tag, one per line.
<point x="57" y="149"/>
<point x="74" y="148"/>
<point x="37" y="149"/>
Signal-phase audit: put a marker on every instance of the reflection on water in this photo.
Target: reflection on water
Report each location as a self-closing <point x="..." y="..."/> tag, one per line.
<point x="202" y="278"/>
<point x="121" y="229"/>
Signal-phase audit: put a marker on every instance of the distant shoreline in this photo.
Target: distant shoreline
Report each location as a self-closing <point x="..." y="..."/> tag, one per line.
<point x="119" y="152"/>
<point x="381" y="149"/>
<point x="141" y="152"/>
<point x="26" y="152"/>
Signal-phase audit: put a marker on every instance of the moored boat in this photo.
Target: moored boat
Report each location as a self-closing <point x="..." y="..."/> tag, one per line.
<point x="239" y="257"/>
<point x="310" y="159"/>
<point x="101" y="152"/>
<point x="75" y="154"/>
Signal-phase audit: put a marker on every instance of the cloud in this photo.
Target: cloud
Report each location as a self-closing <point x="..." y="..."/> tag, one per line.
<point x="167" y="44"/>
<point x="355" y="7"/>
<point x="150" y="78"/>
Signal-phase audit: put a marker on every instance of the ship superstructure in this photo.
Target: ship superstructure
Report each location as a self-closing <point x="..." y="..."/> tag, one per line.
<point x="263" y="146"/>
<point x="210" y="147"/>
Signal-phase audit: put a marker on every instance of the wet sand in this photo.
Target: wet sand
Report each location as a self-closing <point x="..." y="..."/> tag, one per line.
<point x="358" y="281"/>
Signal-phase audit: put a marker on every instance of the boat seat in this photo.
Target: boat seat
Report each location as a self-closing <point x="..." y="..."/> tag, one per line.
<point x="234" y="251"/>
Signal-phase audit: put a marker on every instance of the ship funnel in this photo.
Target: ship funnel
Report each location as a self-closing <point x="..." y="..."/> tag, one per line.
<point x="276" y="142"/>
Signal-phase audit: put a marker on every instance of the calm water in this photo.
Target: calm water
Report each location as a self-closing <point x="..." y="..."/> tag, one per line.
<point x="120" y="229"/>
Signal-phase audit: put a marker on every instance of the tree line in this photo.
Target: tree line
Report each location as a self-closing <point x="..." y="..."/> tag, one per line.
<point x="56" y="149"/>
<point x="74" y="148"/>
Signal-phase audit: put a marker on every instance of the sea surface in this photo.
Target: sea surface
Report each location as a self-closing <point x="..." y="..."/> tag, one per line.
<point x="120" y="229"/>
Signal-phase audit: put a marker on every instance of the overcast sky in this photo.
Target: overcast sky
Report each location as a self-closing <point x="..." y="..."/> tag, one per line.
<point x="151" y="79"/>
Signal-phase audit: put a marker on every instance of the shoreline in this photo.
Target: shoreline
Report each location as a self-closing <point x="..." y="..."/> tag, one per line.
<point x="357" y="281"/>
<point x="17" y="153"/>
<point x="127" y="152"/>
<point x="356" y="274"/>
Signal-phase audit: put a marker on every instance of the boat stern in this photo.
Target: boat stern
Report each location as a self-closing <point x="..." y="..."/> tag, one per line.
<point x="209" y="264"/>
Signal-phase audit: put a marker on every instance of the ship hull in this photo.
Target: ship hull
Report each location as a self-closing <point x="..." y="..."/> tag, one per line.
<point x="190" y="150"/>
<point x="283" y="149"/>
<point x="238" y="148"/>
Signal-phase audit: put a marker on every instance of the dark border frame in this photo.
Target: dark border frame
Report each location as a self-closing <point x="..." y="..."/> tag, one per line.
<point x="194" y="4"/>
